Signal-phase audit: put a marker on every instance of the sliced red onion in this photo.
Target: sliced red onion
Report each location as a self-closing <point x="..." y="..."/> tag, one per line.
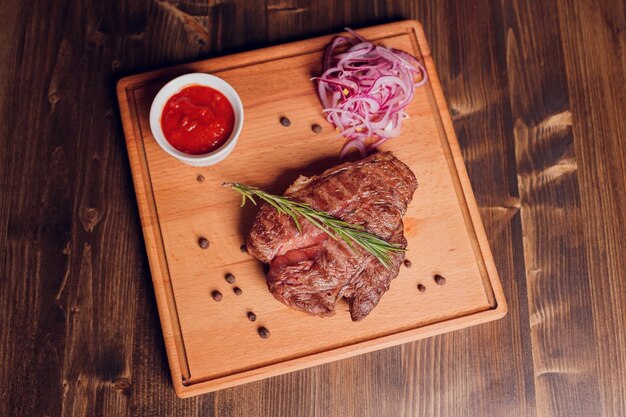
<point x="364" y="89"/>
<point x="356" y="35"/>
<point x="354" y="143"/>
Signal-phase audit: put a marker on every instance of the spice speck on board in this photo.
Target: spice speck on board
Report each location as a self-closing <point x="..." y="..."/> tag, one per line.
<point x="237" y="291"/>
<point x="285" y="121"/>
<point x="230" y="278"/>
<point x="316" y="128"/>
<point x="407" y="263"/>
<point x="200" y="178"/>
<point x="264" y="333"/>
<point x="251" y="316"/>
<point x="204" y="243"/>
<point x="217" y="296"/>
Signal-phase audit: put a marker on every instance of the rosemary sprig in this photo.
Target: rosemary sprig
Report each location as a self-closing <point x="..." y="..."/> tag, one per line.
<point x="332" y="226"/>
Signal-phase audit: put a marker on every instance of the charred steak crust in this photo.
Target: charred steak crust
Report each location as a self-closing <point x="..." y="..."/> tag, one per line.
<point x="310" y="271"/>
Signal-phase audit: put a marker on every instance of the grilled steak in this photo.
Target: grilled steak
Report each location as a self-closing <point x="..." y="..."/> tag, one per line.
<point x="310" y="271"/>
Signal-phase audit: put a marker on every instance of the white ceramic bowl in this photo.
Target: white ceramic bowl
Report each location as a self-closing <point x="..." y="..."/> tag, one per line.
<point x="176" y="85"/>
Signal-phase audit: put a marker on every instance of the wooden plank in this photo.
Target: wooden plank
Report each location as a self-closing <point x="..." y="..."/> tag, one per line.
<point x="197" y="28"/>
<point x="15" y="249"/>
<point x="57" y="229"/>
<point x="298" y="19"/>
<point x="474" y="81"/>
<point x="551" y="215"/>
<point x="180" y="275"/>
<point x="10" y="31"/>
<point x="593" y="45"/>
<point x="288" y="18"/>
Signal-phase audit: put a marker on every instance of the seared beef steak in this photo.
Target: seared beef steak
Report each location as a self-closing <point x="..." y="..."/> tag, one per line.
<point x="310" y="271"/>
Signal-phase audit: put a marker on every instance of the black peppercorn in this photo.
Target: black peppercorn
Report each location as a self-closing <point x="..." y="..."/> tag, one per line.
<point x="251" y="316"/>
<point x="204" y="243"/>
<point x="237" y="291"/>
<point x="285" y="121"/>
<point x="217" y="296"/>
<point x="230" y="278"/>
<point x="264" y="333"/>
<point x="316" y="128"/>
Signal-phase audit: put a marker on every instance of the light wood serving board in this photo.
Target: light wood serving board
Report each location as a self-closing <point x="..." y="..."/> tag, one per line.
<point x="212" y="345"/>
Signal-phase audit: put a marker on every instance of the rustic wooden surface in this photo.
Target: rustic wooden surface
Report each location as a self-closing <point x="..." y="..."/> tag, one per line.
<point x="536" y="90"/>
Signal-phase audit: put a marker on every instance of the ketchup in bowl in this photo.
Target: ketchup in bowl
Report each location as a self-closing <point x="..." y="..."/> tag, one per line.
<point x="197" y="120"/>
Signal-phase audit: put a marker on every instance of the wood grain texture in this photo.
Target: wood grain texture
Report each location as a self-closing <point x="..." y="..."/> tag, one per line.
<point x="480" y="111"/>
<point x="107" y="358"/>
<point x="595" y="70"/>
<point x="549" y="194"/>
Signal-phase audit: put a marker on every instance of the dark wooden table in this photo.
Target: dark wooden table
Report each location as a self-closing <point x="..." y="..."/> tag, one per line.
<point x="537" y="90"/>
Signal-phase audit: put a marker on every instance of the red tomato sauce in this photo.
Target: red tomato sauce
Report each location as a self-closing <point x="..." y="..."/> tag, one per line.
<point x="197" y="120"/>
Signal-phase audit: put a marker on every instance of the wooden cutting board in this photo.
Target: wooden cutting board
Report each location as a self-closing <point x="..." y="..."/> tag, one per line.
<point x="212" y="345"/>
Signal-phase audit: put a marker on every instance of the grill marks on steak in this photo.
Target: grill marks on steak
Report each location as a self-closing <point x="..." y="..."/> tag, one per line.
<point x="311" y="271"/>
